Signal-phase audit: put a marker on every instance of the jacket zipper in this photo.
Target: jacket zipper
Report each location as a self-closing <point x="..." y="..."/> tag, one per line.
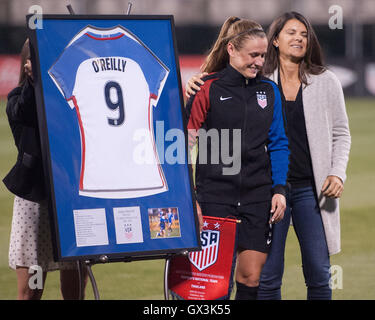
<point x="242" y="140"/>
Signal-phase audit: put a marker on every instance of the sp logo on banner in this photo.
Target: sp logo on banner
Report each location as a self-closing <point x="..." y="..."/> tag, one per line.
<point x="210" y="247"/>
<point x="206" y="274"/>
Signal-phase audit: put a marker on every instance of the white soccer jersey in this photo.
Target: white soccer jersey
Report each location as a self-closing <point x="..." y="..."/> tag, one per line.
<point x="112" y="80"/>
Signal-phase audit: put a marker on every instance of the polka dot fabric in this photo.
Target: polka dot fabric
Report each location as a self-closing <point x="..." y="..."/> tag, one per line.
<point x="30" y="238"/>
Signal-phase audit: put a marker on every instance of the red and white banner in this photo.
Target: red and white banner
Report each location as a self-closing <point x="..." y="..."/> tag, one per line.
<point x="206" y="274"/>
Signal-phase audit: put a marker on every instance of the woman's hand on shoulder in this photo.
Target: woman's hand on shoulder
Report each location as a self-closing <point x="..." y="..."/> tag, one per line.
<point x="191" y="87"/>
<point x="333" y="187"/>
<point x="28" y="69"/>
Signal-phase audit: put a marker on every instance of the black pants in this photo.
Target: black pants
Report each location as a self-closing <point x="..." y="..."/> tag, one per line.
<point x="254" y="231"/>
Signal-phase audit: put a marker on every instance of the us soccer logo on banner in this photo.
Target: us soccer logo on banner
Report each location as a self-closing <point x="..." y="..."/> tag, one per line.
<point x="210" y="248"/>
<point x="262" y="99"/>
<point x="206" y="274"/>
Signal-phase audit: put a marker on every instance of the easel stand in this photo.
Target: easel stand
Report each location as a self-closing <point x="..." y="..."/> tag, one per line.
<point x="166" y="272"/>
<point x="87" y="265"/>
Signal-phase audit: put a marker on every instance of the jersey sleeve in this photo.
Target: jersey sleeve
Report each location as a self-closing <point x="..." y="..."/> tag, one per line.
<point x="63" y="71"/>
<point x="155" y="71"/>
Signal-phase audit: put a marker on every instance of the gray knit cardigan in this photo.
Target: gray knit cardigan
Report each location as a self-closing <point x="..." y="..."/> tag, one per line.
<point x="329" y="140"/>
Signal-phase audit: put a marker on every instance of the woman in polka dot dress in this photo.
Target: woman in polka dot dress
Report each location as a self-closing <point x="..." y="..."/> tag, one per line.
<point x="30" y="239"/>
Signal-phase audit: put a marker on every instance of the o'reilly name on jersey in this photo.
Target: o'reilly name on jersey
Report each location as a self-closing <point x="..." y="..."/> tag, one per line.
<point x="109" y="63"/>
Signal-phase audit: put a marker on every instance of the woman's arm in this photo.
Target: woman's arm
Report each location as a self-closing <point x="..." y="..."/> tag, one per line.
<point x="196" y="113"/>
<point x="278" y="146"/>
<point x="279" y="156"/>
<point x="341" y="140"/>
<point x="21" y="106"/>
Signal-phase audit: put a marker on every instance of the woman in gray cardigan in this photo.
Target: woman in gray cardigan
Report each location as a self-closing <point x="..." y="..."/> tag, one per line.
<point x="319" y="139"/>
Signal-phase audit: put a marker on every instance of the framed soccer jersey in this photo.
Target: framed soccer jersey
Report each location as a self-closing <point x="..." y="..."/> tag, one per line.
<point x="111" y="119"/>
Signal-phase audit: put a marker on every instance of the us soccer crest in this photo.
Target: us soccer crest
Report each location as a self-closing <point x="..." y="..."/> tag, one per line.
<point x="206" y="274"/>
<point x="128" y="231"/>
<point x="262" y="99"/>
<point x="210" y="248"/>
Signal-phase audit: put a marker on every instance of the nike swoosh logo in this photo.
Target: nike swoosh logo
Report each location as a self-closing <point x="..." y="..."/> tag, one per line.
<point x="223" y="99"/>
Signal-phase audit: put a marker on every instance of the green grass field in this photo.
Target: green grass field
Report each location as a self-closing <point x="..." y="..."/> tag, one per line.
<point x="144" y="280"/>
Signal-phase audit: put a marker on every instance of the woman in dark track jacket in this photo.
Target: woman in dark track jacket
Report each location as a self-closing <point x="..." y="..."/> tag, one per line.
<point x="30" y="239"/>
<point x="237" y="116"/>
<point x="26" y="178"/>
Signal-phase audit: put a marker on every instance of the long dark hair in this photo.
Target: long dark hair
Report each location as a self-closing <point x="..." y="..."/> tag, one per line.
<point x="234" y="30"/>
<point x="312" y="63"/>
<point x="25" y="54"/>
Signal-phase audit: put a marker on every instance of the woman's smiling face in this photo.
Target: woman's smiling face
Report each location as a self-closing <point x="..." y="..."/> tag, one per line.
<point x="292" y="40"/>
<point x="249" y="59"/>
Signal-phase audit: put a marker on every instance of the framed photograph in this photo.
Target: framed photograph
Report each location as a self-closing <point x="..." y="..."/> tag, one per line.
<point x="114" y="145"/>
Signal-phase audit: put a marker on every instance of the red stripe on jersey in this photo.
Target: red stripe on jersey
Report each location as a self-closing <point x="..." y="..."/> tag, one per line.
<point x="73" y="98"/>
<point x="161" y="174"/>
<point x="109" y="38"/>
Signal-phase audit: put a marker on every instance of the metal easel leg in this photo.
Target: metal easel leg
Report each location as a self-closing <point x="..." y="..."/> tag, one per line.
<point x="129" y="8"/>
<point x="70" y="9"/>
<point x="166" y="272"/>
<point x="81" y="279"/>
<point x="92" y="279"/>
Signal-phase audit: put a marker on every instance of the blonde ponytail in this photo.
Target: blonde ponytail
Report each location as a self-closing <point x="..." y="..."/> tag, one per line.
<point x="234" y="30"/>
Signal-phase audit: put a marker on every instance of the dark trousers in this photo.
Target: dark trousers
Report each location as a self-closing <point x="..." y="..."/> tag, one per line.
<point x="307" y="222"/>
